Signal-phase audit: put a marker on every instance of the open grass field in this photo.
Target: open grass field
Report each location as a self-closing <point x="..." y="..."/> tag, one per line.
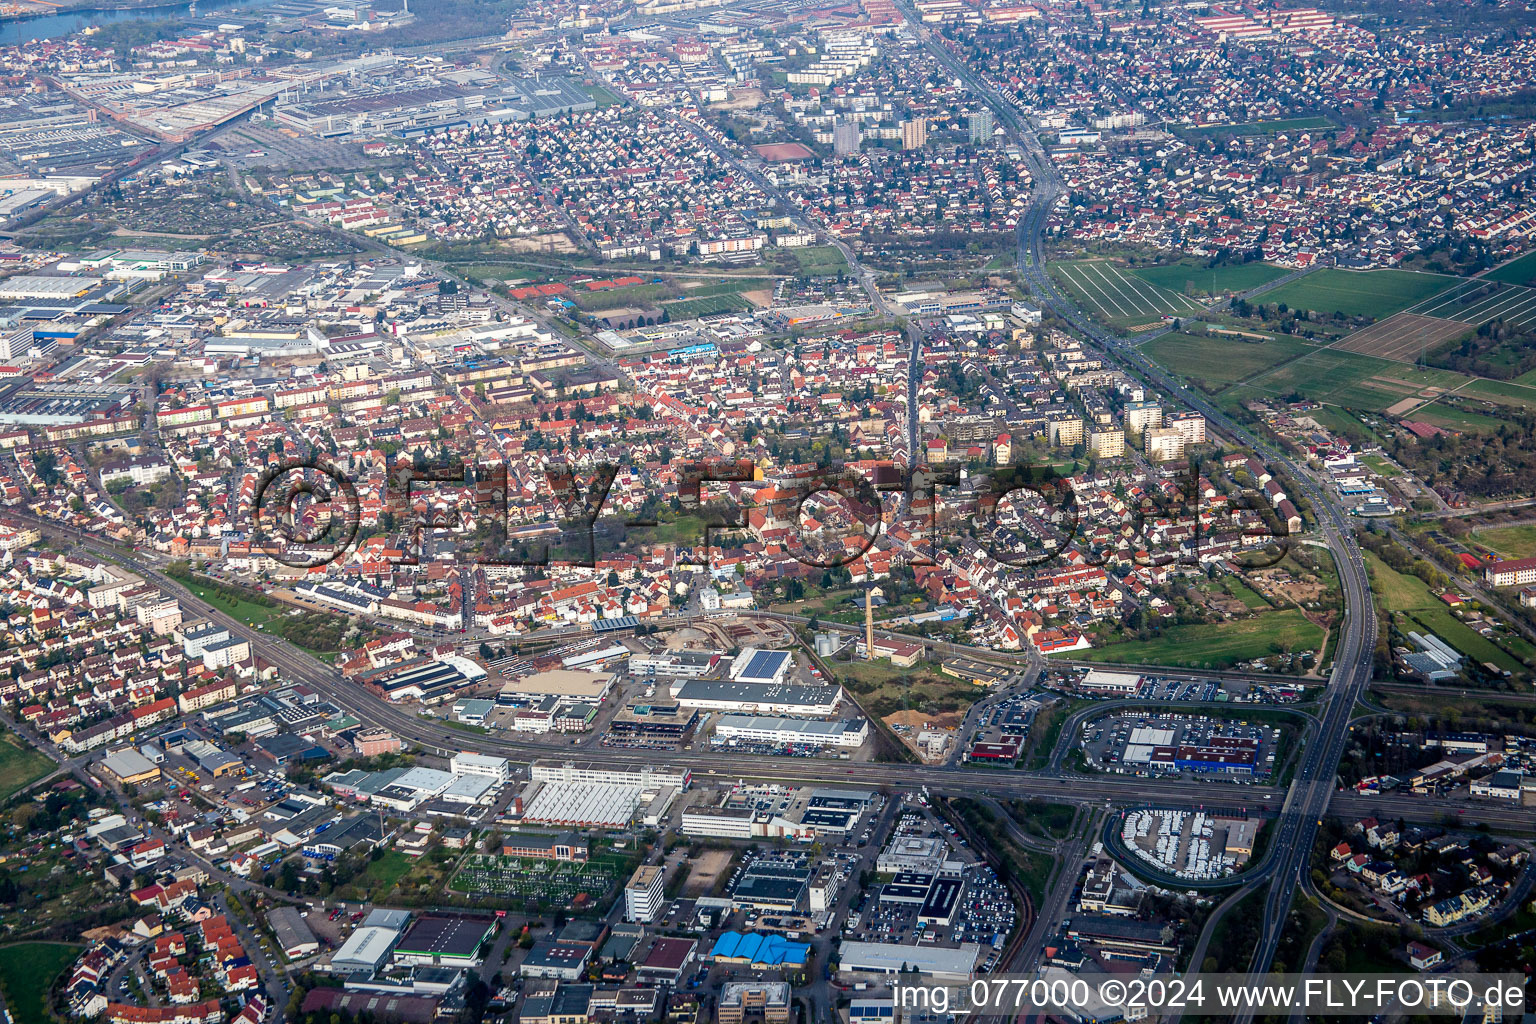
<point x="1192" y="278"/>
<point x="1290" y="124"/>
<point x="1478" y="300"/>
<point x="27" y="972"/>
<point x="1502" y="392"/>
<point x="1517" y="271"/>
<point x="1403" y="337"/>
<point x="818" y="259"/>
<point x="614" y="298"/>
<point x="20" y="765"/>
<point x="1461" y="420"/>
<point x="883" y="689"/>
<point x="1373" y="293"/>
<point x="1510" y="541"/>
<point x="1220" y="360"/>
<point x="380" y="877"/>
<point x="1410" y="596"/>
<point x="1109" y="291"/>
<point x="1216" y="645"/>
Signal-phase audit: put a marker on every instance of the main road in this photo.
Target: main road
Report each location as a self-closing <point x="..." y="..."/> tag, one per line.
<point x="1308" y="798"/>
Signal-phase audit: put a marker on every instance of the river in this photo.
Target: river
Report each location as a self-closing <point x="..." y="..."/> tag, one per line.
<point x="50" y="26"/>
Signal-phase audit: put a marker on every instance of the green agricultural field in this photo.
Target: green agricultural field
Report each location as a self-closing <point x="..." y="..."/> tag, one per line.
<point x="1520" y="271"/>
<point x="1111" y="293"/>
<point x="1521" y="396"/>
<point x="1373" y="293"/>
<point x="1348" y="379"/>
<point x="1509" y="541"/>
<point x="1215" y="359"/>
<point x="27" y="972"/>
<point x="1216" y="645"/>
<point x="1202" y="280"/>
<point x="20" y="765"/>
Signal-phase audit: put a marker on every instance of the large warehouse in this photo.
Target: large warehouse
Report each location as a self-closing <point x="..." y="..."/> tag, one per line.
<point x="841" y="732"/>
<point x="758" y="698"/>
<point x="758" y="666"/>
<point x="428" y="681"/>
<point x="566" y="684"/>
<point x="893" y="958"/>
<point x="580" y="805"/>
<point x="448" y="940"/>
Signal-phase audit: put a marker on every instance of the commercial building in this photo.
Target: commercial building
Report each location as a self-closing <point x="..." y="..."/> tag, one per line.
<point x="758" y="666"/>
<point x="646" y="776"/>
<point x="682" y="664"/>
<point x="579" y="804"/>
<point x="128" y="767"/>
<point x="292" y="932"/>
<point x="1119" y="684"/>
<point x="565" y="684"/>
<point x="817" y="700"/>
<point x="642" y="894"/>
<point x="764" y="1000"/>
<point x="667" y="961"/>
<point x="772" y="883"/>
<point x="466" y="763"/>
<point x="889" y="958"/>
<point x="365" y="951"/>
<point x="428" y="681"/>
<point x="445" y="940"/>
<point x="843" y="732"/>
<point x="562" y="961"/>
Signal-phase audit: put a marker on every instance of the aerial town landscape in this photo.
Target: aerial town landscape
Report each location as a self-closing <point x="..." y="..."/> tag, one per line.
<point x="774" y="511"/>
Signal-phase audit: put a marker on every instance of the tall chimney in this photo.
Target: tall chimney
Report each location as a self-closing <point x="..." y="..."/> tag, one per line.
<point x="869" y="625"/>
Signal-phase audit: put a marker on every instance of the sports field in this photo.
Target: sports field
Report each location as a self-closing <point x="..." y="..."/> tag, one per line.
<point x="1196" y="279"/>
<point x="1476" y="301"/>
<point x="1110" y="292"/>
<point x="1403" y="337"/>
<point x="1518" y="271"/>
<point x="1517" y="541"/>
<point x="1373" y="293"/>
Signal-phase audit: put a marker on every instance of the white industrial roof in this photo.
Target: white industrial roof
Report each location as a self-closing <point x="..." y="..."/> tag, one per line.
<point x="890" y="957"/>
<point x="583" y="804"/>
<point x="366" y="946"/>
